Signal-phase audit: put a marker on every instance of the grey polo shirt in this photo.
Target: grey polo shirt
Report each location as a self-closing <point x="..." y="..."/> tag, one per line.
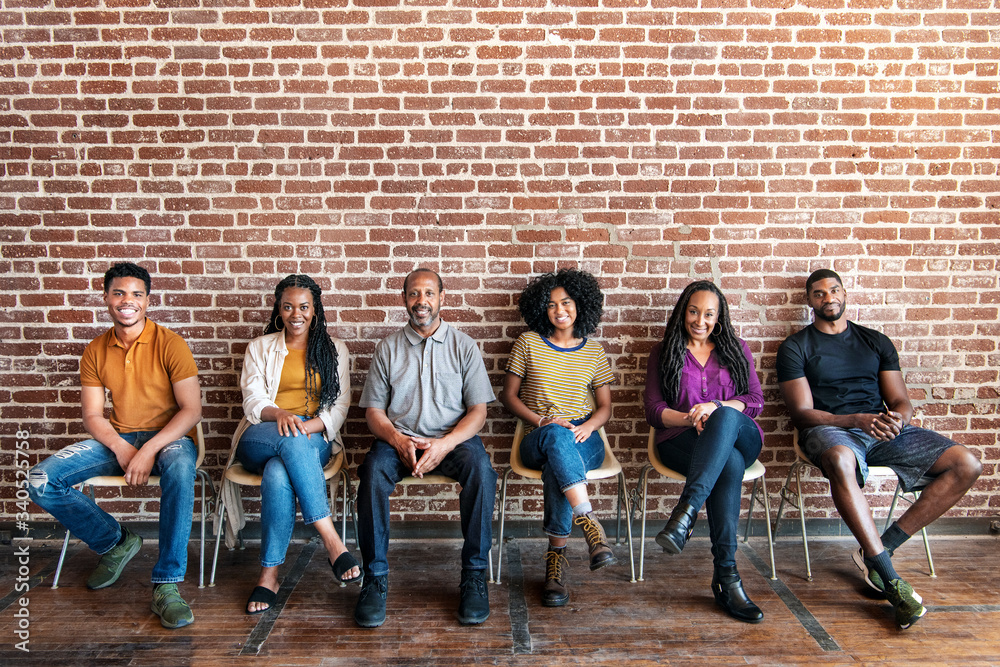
<point x="426" y="385"/>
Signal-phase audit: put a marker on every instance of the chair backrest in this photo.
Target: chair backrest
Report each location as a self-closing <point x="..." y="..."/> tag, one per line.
<point x="119" y="480"/>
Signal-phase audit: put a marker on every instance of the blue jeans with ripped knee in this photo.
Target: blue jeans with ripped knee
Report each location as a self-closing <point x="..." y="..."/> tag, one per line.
<point x="50" y="486"/>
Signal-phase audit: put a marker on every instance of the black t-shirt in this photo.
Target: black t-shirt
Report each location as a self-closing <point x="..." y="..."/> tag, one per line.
<point x="842" y="369"/>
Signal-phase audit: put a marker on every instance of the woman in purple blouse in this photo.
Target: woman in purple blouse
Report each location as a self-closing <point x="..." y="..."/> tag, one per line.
<point x="701" y="396"/>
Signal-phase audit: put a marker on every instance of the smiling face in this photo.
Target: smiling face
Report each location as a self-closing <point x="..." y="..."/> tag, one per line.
<point x="423" y="301"/>
<point x="127" y="301"/>
<point x="700" y="316"/>
<point x="561" y="310"/>
<point x="828" y="299"/>
<point x="296" y="310"/>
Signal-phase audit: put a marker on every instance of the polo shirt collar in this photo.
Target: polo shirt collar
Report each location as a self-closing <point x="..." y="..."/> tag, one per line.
<point x="414" y="338"/>
<point x="145" y="337"/>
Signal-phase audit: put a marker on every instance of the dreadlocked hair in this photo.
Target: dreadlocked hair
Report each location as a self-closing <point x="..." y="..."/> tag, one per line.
<point x="581" y="286"/>
<point x="675" y="340"/>
<point x="321" y="354"/>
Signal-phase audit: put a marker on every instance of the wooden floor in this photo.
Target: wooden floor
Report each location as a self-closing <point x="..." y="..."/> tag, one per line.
<point x="668" y="619"/>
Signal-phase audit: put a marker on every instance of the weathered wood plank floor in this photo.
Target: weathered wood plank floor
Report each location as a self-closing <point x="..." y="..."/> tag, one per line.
<point x="669" y="619"/>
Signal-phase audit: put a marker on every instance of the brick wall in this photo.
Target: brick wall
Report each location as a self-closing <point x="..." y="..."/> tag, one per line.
<point x="226" y="144"/>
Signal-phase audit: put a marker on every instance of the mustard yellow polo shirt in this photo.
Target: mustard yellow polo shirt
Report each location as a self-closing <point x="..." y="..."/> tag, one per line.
<point x="141" y="379"/>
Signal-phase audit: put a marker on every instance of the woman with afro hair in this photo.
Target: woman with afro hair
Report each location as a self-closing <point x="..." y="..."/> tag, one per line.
<point x="702" y="394"/>
<point x="296" y="391"/>
<point x="552" y="372"/>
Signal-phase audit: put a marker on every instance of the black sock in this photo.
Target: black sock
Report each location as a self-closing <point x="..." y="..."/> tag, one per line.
<point x="882" y="564"/>
<point x="893" y="538"/>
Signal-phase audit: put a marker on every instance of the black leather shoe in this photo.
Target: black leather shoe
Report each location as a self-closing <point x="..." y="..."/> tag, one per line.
<point x="474" y="607"/>
<point x="678" y="530"/>
<point x="370" y="610"/>
<point x="729" y="594"/>
<point x="555" y="593"/>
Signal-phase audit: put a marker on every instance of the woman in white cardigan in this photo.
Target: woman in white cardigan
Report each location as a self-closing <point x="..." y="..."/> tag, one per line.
<point x="296" y="391"/>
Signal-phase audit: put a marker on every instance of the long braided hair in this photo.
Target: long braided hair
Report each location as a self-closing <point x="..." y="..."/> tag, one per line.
<point x="321" y="354"/>
<point x="727" y="345"/>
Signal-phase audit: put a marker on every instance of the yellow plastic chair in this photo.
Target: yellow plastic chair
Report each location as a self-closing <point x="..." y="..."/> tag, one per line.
<point x="794" y="499"/>
<point x="334" y="471"/>
<point x="609" y="469"/>
<point x="119" y="481"/>
<point x="754" y="473"/>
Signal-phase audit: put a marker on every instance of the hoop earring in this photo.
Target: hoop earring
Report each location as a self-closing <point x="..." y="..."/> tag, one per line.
<point x="717" y="333"/>
<point x="277" y="319"/>
<point x="312" y="325"/>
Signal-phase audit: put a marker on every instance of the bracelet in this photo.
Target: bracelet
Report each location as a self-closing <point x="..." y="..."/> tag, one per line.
<point x="718" y="404"/>
<point x="540" y="420"/>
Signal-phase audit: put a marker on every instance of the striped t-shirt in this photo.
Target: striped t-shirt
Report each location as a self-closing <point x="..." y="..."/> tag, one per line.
<point x="557" y="381"/>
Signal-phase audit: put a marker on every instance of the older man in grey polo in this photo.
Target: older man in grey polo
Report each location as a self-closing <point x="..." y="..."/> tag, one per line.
<point x="425" y="401"/>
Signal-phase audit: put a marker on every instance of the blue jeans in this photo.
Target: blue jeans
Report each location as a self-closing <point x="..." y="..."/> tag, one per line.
<point x="290" y="467"/>
<point x="50" y="485"/>
<point x="564" y="463"/>
<point x="468" y="464"/>
<point x="713" y="463"/>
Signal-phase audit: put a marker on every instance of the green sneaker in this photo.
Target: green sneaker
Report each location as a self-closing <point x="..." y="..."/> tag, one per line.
<point x="908" y="607"/>
<point x="113" y="562"/>
<point x="168" y="604"/>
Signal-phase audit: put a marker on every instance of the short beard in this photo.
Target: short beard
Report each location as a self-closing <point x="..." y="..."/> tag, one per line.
<point x="820" y="315"/>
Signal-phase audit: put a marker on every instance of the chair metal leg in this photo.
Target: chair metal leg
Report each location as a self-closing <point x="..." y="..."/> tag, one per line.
<point x="923" y="531"/>
<point x="623" y="499"/>
<point x="618" y="519"/>
<point x="643" y="481"/>
<point x="503" y="512"/>
<point x="221" y="509"/>
<point x="767" y="523"/>
<point x="802" y="519"/>
<point x="62" y="557"/>
<point x="753" y="501"/>
<point x="783" y="493"/>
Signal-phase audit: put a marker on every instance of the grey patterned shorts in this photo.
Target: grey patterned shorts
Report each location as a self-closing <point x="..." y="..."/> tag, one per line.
<point x="910" y="454"/>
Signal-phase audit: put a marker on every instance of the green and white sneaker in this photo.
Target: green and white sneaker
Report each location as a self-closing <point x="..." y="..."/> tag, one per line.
<point x="168" y="604"/>
<point x="113" y="562"/>
<point x="872" y="577"/>
<point x="907" y="603"/>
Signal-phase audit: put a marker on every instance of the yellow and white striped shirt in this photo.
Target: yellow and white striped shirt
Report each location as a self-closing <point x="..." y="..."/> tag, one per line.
<point x="557" y="381"/>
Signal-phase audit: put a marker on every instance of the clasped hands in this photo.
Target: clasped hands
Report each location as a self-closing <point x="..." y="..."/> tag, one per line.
<point x="699" y="414"/>
<point x="434" y="451"/>
<point x="883" y="426"/>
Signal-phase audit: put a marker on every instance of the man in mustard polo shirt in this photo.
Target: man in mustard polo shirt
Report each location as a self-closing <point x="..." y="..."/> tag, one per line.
<point x="155" y="404"/>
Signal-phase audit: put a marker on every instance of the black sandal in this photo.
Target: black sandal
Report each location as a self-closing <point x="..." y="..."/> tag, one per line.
<point x="345" y="562"/>
<point x="260" y="594"/>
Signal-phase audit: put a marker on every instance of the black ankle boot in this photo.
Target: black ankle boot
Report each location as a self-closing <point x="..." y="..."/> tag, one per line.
<point x="729" y="594"/>
<point x="675" y="534"/>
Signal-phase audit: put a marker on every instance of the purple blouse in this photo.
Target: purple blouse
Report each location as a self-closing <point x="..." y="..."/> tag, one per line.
<point x="698" y="385"/>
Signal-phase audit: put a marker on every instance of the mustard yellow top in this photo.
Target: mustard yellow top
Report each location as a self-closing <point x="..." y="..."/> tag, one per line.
<point x="292" y="388"/>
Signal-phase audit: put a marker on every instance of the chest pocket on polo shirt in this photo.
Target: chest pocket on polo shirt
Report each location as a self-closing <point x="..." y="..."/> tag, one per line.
<point x="448" y="388"/>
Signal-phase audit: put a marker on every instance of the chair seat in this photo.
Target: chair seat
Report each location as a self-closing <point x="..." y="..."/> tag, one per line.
<point x="154" y="480"/>
<point x="755" y="472"/>
<point x="794" y="498"/>
<point x="238" y="474"/>
<point x="427" y="479"/>
<point x="608" y="469"/>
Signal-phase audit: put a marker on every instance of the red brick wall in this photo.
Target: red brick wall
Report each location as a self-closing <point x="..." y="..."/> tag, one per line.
<point x="225" y="145"/>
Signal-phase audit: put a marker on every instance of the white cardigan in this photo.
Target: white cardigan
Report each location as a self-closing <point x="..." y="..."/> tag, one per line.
<point x="262" y="365"/>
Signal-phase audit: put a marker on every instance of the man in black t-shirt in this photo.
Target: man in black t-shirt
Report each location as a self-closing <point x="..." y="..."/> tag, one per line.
<point x="846" y="395"/>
